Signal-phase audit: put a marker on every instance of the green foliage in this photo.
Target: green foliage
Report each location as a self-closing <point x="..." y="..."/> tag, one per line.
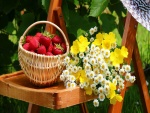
<point x="15" y="18"/>
<point x="97" y="7"/>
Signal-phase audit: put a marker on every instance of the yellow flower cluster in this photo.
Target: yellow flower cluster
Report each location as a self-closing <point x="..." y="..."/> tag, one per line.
<point x="79" y="45"/>
<point x="97" y="65"/>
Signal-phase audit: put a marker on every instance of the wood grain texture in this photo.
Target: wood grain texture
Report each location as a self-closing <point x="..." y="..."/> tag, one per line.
<point x="17" y="85"/>
<point x="53" y="4"/>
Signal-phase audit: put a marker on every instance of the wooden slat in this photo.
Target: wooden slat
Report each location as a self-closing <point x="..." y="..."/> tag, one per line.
<point x="32" y="108"/>
<point x="83" y="108"/>
<point x="51" y="17"/>
<point x="140" y="80"/>
<point x="60" y="21"/>
<point x="129" y="38"/>
<point x="55" y="97"/>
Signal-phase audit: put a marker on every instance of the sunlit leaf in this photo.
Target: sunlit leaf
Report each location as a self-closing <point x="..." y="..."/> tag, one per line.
<point x="97" y="7"/>
<point x="76" y="2"/>
<point x="80" y="32"/>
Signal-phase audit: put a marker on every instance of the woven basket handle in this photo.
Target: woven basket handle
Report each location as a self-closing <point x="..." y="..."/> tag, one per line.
<point x="54" y="25"/>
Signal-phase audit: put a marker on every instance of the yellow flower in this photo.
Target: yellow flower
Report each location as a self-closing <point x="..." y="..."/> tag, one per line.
<point x="83" y="77"/>
<point x="98" y="40"/>
<point x="110" y="37"/>
<point x="75" y="47"/>
<point x="88" y="90"/>
<point x="77" y="75"/>
<point x="117" y="97"/>
<point x="116" y="57"/>
<point x="112" y="94"/>
<point x="124" y="51"/>
<point x="83" y="43"/>
<point x="106" y="44"/>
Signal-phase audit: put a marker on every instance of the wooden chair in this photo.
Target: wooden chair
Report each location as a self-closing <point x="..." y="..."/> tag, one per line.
<point x="16" y="85"/>
<point x="129" y="40"/>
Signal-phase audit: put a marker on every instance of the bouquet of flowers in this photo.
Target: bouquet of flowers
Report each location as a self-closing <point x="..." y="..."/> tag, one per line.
<point x="96" y="64"/>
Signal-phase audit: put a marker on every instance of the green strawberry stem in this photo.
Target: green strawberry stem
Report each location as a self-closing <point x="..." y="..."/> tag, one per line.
<point x="59" y="47"/>
<point x="47" y="34"/>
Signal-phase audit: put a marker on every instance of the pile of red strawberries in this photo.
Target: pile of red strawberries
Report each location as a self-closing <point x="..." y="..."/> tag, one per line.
<point x="41" y="43"/>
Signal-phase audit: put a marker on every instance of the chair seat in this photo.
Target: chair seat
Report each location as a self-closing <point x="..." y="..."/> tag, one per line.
<point x="16" y="85"/>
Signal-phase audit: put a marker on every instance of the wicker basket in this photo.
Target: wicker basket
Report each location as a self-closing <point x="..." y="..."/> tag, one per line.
<point x="42" y="70"/>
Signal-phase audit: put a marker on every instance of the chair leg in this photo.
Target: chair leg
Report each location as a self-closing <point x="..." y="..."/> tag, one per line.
<point x="32" y="108"/>
<point x="83" y="108"/>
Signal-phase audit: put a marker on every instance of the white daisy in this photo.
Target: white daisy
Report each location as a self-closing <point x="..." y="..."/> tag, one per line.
<point x="73" y="85"/>
<point x="106" y="53"/>
<point x="91" y="39"/>
<point x="100" y="90"/>
<point x="91" y="31"/>
<point x="95" y="29"/>
<point x="85" y="60"/>
<point x="72" y="78"/>
<point x="62" y="77"/>
<point x="121" y="71"/>
<point x="74" y="69"/>
<point x="92" y="61"/>
<point x="93" y="86"/>
<point x="96" y="103"/>
<point x="91" y="74"/>
<point x="117" y="67"/>
<point x="67" y="60"/>
<point x="87" y="67"/>
<point x="101" y="96"/>
<point x="121" y="86"/>
<point x="81" y="54"/>
<point x="127" y="68"/>
<point x="114" y="81"/>
<point x="127" y="76"/>
<point x="132" y="79"/>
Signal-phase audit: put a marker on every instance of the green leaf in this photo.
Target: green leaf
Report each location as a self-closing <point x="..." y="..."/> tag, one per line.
<point x="108" y="22"/>
<point x="79" y="22"/>
<point x="46" y="3"/>
<point x="13" y="39"/>
<point x="27" y="19"/>
<point x="76" y="2"/>
<point x="10" y="28"/>
<point x="80" y="32"/>
<point x="97" y="7"/>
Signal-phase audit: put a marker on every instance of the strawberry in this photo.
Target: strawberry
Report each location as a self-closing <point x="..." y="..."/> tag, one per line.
<point x="34" y="44"/>
<point x="57" y="39"/>
<point x="49" y="54"/>
<point x="63" y="45"/>
<point x="26" y="46"/>
<point x="50" y="48"/>
<point x="38" y="34"/>
<point x="41" y="50"/>
<point x="45" y="40"/>
<point x="32" y="51"/>
<point x="57" y="49"/>
<point x="28" y="38"/>
<point x="37" y="38"/>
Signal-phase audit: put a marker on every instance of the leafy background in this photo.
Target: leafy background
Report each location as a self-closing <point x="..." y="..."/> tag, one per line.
<point x="108" y="15"/>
